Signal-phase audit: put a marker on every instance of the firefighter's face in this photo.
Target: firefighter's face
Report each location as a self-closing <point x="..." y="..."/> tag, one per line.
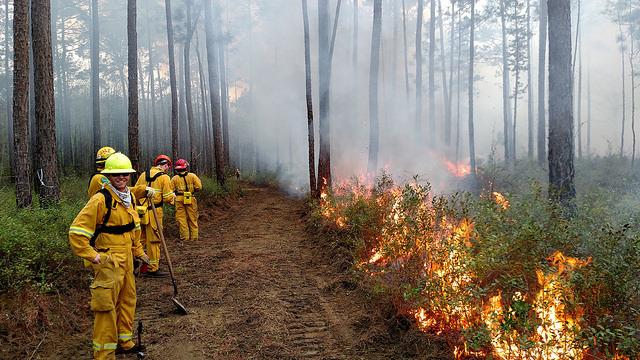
<point x="119" y="181"/>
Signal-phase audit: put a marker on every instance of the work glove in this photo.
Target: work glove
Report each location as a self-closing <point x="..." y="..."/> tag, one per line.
<point x="101" y="259"/>
<point x="144" y="258"/>
<point x="150" y="191"/>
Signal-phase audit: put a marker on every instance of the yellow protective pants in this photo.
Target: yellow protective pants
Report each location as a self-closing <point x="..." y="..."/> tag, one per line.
<point x="187" y="218"/>
<point x="151" y="237"/>
<point x="113" y="302"/>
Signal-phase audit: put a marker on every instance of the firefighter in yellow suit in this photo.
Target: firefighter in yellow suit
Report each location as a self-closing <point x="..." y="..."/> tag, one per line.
<point x="185" y="185"/>
<point x="157" y="183"/>
<point x="106" y="232"/>
<point x="98" y="180"/>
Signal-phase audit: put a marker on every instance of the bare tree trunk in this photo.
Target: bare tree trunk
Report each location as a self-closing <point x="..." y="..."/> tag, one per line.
<point x="172" y="79"/>
<point x="516" y="90"/>
<point x="7" y="87"/>
<point x="324" y="64"/>
<point x="95" y="73"/>
<point x="561" y="172"/>
<point x="472" y="149"/>
<point x="445" y="89"/>
<point x="21" y="103"/>
<point x="624" y="95"/>
<point x="542" y="56"/>
<point x="152" y="92"/>
<point x="205" y="111"/>
<point x="313" y="190"/>
<point x="132" y="64"/>
<point x="529" y="87"/>
<point x="46" y="153"/>
<point x="589" y="114"/>
<point x="225" y="95"/>
<point x="579" y="107"/>
<point x="418" y="122"/>
<point x="373" y="87"/>
<point x="459" y="84"/>
<point x="214" y="85"/>
<point x="505" y="86"/>
<point x="633" y="92"/>
<point x="193" y="146"/>
<point x="432" y="75"/>
<point x="406" y="60"/>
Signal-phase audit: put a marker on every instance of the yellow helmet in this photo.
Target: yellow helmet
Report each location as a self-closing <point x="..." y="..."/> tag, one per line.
<point x="117" y="163"/>
<point x="104" y="153"/>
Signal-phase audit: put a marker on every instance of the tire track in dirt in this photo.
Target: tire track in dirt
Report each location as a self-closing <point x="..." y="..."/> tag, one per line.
<point x="253" y="289"/>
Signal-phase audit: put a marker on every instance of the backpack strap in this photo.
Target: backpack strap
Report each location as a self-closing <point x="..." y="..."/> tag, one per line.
<point x="151" y="179"/>
<point x="104" y="228"/>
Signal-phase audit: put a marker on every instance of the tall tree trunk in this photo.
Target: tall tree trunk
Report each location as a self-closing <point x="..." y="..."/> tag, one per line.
<point x="373" y="87"/>
<point x="418" y="122"/>
<point x="21" y="103"/>
<point x="506" y="114"/>
<point x="405" y="51"/>
<point x="193" y="146"/>
<point x="432" y="75"/>
<point x="172" y="80"/>
<point x="579" y="107"/>
<point x="624" y="95"/>
<point x="132" y="64"/>
<point x="224" y="106"/>
<point x="152" y="91"/>
<point x="529" y="87"/>
<point x="561" y="172"/>
<point x="7" y="88"/>
<point x="324" y="162"/>
<point x="214" y="92"/>
<point x="445" y="88"/>
<point x="205" y="112"/>
<point x="516" y="91"/>
<point x="542" y="57"/>
<point x="589" y="113"/>
<point x="459" y="84"/>
<point x="95" y="74"/>
<point x="472" y="49"/>
<point x="310" y="128"/>
<point x="45" y="153"/>
<point x="633" y="92"/>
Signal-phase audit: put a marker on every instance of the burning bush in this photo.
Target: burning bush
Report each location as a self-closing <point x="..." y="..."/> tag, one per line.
<point x="490" y="274"/>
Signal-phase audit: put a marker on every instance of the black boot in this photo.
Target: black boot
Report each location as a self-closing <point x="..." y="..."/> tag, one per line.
<point x="158" y="274"/>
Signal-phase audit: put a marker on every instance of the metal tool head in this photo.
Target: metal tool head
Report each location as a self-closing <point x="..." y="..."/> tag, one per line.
<point x="180" y="309"/>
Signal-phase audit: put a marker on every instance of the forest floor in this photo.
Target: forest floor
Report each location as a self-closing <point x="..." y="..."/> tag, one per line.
<point x="258" y="285"/>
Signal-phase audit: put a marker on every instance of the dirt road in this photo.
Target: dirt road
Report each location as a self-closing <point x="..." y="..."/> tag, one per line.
<point x="258" y="287"/>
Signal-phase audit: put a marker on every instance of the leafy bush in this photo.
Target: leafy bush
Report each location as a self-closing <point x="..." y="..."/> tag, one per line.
<point x="491" y="276"/>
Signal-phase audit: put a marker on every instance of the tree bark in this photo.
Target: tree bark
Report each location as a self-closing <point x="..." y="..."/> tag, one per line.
<point x="418" y="120"/>
<point x="472" y="149"/>
<point x="405" y="51"/>
<point x="373" y="87"/>
<point x="95" y="74"/>
<point x="172" y="80"/>
<point x="542" y="57"/>
<point x="324" y="161"/>
<point x="310" y="128"/>
<point x="46" y="150"/>
<point x="530" y="142"/>
<point x="21" y="103"/>
<point x="224" y="106"/>
<point x="432" y="74"/>
<point x="214" y="92"/>
<point x="193" y="146"/>
<point x="445" y="88"/>
<point x="132" y="64"/>
<point x="7" y="87"/>
<point x="561" y="171"/>
<point x="506" y="113"/>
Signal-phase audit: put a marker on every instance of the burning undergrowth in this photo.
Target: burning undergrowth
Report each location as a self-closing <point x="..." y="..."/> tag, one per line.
<point x="496" y="276"/>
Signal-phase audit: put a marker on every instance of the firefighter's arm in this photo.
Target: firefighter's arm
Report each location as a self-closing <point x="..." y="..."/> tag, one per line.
<point x="84" y="226"/>
<point x="168" y="196"/>
<point x="139" y="190"/>
<point x="197" y="183"/>
<point x="136" y="245"/>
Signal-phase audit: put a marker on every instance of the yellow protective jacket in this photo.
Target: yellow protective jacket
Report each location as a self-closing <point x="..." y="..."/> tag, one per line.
<point x="97" y="182"/>
<point x="185" y="182"/>
<point x="119" y="246"/>
<point x="162" y="185"/>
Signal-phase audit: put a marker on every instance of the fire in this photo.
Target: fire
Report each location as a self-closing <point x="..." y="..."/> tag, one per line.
<point x="443" y="300"/>
<point x="500" y="200"/>
<point x="458" y="169"/>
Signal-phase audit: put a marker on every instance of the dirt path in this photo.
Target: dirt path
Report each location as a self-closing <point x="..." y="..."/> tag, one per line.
<point x="257" y="287"/>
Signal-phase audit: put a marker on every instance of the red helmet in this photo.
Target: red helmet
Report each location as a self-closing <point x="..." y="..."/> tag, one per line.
<point x="161" y="160"/>
<point x="181" y="164"/>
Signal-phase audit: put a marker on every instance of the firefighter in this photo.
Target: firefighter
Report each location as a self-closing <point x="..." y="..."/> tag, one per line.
<point x="185" y="185"/>
<point x="158" y="186"/>
<point x="106" y="232"/>
<point x="98" y="181"/>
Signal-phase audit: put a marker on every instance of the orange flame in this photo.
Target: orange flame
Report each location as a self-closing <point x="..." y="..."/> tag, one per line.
<point x="458" y="169"/>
